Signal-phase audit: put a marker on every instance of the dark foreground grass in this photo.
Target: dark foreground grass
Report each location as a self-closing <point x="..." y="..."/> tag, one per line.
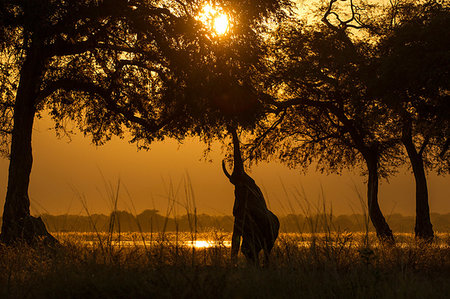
<point x="338" y="266"/>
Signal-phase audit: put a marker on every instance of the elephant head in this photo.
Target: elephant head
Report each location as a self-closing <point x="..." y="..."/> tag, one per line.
<point x="238" y="174"/>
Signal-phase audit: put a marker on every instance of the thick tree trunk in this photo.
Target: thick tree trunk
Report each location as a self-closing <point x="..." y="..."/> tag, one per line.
<point x="423" y="228"/>
<point x="18" y="225"/>
<point x="383" y="230"/>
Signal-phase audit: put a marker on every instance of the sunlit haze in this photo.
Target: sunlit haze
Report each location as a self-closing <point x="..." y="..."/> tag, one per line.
<point x="63" y="171"/>
<point x="215" y="19"/>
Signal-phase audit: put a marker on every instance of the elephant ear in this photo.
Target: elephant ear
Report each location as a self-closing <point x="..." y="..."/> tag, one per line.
<point x="225" y="170"/>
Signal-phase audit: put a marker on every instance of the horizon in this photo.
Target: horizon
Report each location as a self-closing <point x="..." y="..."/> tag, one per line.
<point x="62" y="169"/>
<point x="221" y="215"/>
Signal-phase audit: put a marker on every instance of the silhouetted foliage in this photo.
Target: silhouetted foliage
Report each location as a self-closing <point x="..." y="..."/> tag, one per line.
<point x="326" y="114"/>
<point x="110" y="66"/>
<point x="413" y="79"/>
<point x="358" y="88"/>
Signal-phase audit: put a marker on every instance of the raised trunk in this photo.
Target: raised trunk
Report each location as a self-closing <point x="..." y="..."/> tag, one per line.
<point x="238" y="165"/>
<point x="18" y="225"/>
<point x="423" y="228"/>
<point x="383" y="230"/>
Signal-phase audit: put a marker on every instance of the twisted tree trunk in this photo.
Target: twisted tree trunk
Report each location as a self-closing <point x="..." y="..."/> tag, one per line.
<point x="18" y="225"/>
<point x="423" y="228"/>
<point x="383" y="230"/>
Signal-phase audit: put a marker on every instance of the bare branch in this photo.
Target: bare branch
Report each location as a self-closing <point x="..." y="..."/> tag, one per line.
<point x="261" y="138"/>
<point x="342" y="24"/>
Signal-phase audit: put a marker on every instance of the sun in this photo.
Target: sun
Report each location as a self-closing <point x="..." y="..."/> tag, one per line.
<point x="221" y="24"/>
<point x="215" y="19"/>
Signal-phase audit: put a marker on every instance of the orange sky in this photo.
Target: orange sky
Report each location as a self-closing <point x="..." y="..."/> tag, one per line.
<point x="61" y="170"/>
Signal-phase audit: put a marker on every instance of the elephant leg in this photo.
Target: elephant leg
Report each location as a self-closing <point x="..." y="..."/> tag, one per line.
<point x="250" y="251"/>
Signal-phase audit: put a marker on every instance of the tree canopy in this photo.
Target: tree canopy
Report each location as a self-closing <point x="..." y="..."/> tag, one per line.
<point x="353" y="90"/>
<point x="147" y="67"/>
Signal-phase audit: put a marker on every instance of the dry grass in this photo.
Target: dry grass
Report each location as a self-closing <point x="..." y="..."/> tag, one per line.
<point x="334" y="264"/>
<point x="303" y="266"/>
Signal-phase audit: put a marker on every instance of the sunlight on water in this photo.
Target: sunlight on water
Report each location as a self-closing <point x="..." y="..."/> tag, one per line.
<point x="138" y="243"/>
<point x="206" y="241"/>
<point x="207" y="244"/>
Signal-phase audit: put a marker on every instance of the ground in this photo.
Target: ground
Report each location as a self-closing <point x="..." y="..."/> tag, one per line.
<point x="303" y="266"/>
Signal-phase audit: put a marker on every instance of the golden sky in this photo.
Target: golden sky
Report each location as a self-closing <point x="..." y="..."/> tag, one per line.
<point x="63" y="169"/>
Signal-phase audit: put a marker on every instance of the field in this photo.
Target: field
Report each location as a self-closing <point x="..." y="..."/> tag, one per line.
<point x="328" y="265"/>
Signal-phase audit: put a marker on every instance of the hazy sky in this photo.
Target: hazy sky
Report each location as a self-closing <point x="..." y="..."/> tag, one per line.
<point x="64" y="171"/>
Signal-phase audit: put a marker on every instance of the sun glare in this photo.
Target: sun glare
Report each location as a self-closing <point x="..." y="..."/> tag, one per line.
<point x="221" y="24"/>
<point x="215" y="19"/>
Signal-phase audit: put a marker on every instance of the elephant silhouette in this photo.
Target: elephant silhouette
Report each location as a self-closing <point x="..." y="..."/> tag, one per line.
<point x="253" y="221"/>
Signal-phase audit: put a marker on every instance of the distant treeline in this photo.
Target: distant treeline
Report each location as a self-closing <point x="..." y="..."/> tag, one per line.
<point x="151" y="221"/>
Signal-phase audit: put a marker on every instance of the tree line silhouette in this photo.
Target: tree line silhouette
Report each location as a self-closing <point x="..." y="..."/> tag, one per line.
<point x="152" y="221"/>
<point x="365" y="87"/>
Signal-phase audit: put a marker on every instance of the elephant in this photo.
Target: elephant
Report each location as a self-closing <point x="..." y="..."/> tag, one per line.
<point x="253" y="221"/>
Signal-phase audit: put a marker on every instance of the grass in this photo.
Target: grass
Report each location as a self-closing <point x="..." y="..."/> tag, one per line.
<point x="336" y="265"/>
<point x="329" y="264"/>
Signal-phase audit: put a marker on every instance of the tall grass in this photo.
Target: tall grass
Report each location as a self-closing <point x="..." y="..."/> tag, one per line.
<point x="330" y="269"/>
<point x="325" y="263"/>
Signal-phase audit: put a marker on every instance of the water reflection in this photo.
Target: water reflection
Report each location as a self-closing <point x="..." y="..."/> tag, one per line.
<point x="205" y="241"/>
<point x="138" y="243"/>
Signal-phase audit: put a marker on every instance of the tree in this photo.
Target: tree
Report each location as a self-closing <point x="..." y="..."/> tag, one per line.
<point x="413" y="79"/>
<point x="110" y="66"/>
<point x="400" y="74"/>
<point x="60" y="50"/>
<point x="327" y="115"/>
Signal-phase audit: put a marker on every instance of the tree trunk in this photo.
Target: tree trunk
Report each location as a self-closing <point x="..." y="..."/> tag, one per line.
<point x="423" y="228"/>
<point x="18" y="225"/>
<point x="383" y="230"/>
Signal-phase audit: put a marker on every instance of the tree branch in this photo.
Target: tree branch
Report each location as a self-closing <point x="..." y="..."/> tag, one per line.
<point x="424" y="145"/>
<point x="105" y="94"/>
<point x="348" y="124"/>
<point x="261" y="138"/>
<point x="342" y="24"/>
